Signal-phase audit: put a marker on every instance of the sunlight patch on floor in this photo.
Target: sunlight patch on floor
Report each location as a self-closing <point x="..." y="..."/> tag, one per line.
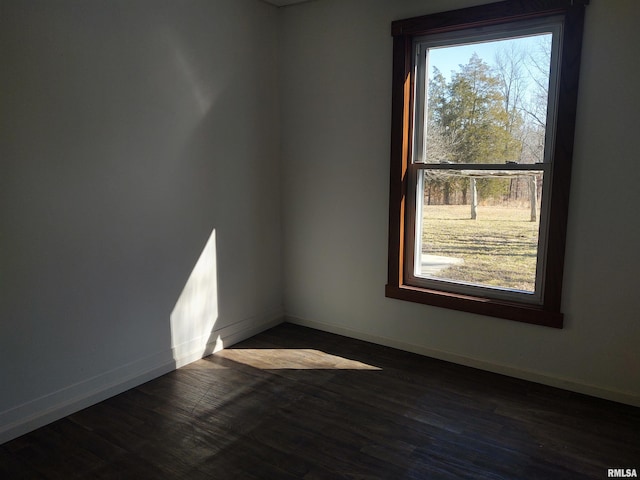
<point x="292" y="358"/>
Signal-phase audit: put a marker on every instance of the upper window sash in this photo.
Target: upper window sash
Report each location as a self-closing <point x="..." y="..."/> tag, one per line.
<point x="421" y="45"/>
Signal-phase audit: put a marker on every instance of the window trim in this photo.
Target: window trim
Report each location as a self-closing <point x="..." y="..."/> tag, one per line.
<point x="401" y="218"/>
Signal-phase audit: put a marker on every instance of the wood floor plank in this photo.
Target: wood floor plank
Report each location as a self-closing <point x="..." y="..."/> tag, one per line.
<point x="296" y="403"/>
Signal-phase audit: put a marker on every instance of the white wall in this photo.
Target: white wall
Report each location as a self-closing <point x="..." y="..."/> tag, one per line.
<point x="336" y="58"/>
<point x="130" y="131"/>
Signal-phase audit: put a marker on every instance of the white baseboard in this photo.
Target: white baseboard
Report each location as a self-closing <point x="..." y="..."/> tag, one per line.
<point x="532" y="376"/>
<point x="55" y="405"/>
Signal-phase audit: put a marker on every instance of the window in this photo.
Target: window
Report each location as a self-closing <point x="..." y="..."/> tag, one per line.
<point x="483" y="118"/>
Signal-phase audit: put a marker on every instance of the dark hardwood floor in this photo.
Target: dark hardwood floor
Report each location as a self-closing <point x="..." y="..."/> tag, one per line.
<point x="298" y="403"/>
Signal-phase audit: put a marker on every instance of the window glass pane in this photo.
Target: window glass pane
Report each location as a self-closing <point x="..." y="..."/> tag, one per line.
<point x="486" y="101"/>
<point x="479" y="227"/>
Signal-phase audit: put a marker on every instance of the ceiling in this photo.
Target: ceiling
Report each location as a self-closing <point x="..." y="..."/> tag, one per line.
<point x="284" y="3"/>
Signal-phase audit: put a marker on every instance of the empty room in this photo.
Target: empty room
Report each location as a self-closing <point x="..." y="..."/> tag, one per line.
<point x="319" y="239"/>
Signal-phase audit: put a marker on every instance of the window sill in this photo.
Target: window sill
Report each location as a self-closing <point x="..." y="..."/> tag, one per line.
<point x="520" y="312"/>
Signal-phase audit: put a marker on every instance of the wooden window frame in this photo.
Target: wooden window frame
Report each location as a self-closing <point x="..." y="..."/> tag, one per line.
<point x="401" y="216"/>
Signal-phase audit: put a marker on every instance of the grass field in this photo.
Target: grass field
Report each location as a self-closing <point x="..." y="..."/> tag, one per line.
<point x="499" y="248"/>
